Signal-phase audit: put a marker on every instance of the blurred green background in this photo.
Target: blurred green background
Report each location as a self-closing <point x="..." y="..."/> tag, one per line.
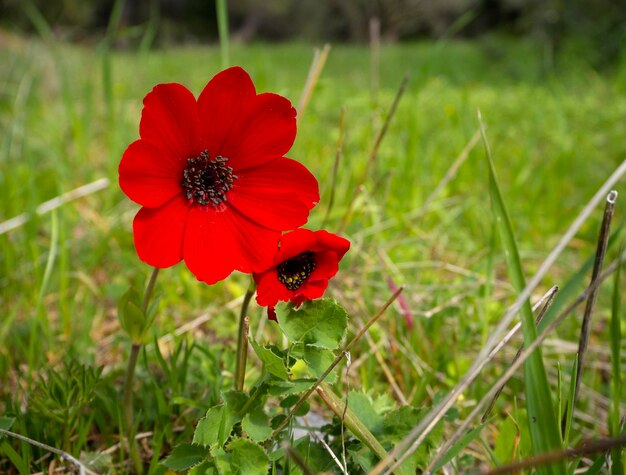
<point x="598" y="27"/>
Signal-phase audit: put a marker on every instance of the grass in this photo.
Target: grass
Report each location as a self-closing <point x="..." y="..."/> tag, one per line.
<point x="67" y="114"/>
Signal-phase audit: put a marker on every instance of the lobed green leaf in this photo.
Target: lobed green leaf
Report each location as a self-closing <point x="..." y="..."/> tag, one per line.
<point x="214" y="428"/>
<point x="243" y="457"/>
<point x="257" y="425"/>
<point x="272" y="363"/>
<point x="320" y="323"/>
<point x="185" y="456"/>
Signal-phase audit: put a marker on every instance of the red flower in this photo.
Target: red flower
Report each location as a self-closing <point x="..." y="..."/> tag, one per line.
<point x="212" y="178"/>
<point x="302" y="266"/>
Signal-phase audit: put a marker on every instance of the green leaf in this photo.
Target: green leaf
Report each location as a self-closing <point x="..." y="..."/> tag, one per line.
<point x="398" y="423"/>
<point x="132" y="319"/>
<point x="243" y="457"/>
<point x="6" y="423"/>
<point x="286" y="388"/>
<point x="321" y="323"/>
<point x="314" y="455"/>
<point x="185" y="456"/>
<point x="505" y="441"/>
<point x="318" y="360"/>
<point x="272" y="363"/>
<point x="544" y="428"/>
<point x="235" y="401"/>
<point x="363" y="408"/>
<point x="214" y="428"/>
<point x="257" y="425"/>
<point x="205" y="468"/>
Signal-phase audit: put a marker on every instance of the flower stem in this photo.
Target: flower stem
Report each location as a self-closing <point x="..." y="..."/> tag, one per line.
<point x="128" y="407"/>
<point x="130" y="375"/>
<point x="148" y="295"/>
<point x="242" y="340"/>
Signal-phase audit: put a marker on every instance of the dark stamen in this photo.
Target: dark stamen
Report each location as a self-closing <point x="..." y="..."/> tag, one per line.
<point x="207" y="181"/>
<point x="294" y="272"/>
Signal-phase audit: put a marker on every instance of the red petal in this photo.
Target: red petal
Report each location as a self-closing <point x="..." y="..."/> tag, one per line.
<point x="294" y="243"/>
<point x="219" y="242"/>
<point x="326" y="266"/>
<point x="159" y="233"/>
<point x="278" y="194"/>
<point x="330" y="241"/>
<point x="220" y="104"/>
<point x="311" y="290"/>
<point x="269" y="290"/>
<point x="266" y="129"/>
<point x="147" y="176"/>
<point x="169" y="121"/>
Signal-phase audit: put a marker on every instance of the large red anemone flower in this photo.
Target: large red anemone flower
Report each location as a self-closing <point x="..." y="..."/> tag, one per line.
<point x="212" y="178"/>
<point x="302" y="266"/>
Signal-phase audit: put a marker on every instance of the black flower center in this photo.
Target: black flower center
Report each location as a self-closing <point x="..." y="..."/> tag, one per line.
<point x="207" y="181"/>
<point x="294" y="272"/>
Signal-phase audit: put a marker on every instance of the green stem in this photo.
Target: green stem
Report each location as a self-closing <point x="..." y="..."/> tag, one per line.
<point x="128" y="406"/>
<point x="149" y="289"/>
<point x="242" y="340"/>
<point x="130" y="375"/>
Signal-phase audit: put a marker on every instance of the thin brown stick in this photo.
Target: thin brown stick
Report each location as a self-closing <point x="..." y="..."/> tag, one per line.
<point x="317" y="65"/>
<point x="585" y="330"/>
<point x="385" y="367"/>
<point x="335" y="362"/>
<point x="587" y="448"/>
<point x="338" y="155"/>
<point x="374" y="152"/>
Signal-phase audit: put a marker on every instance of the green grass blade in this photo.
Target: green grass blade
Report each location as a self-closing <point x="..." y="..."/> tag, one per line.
<point x="617" y="455"/>
<point x="570" y="404"/>
<point x="598" y="465"/>
<point x="20" y="464"/>
<point x="460" y="445"/>
<point x="544" y="429"/>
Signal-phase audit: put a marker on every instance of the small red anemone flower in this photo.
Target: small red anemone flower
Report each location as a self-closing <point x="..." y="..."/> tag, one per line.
<point x="302" y="266"/>
<point x="212" y="178"/>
